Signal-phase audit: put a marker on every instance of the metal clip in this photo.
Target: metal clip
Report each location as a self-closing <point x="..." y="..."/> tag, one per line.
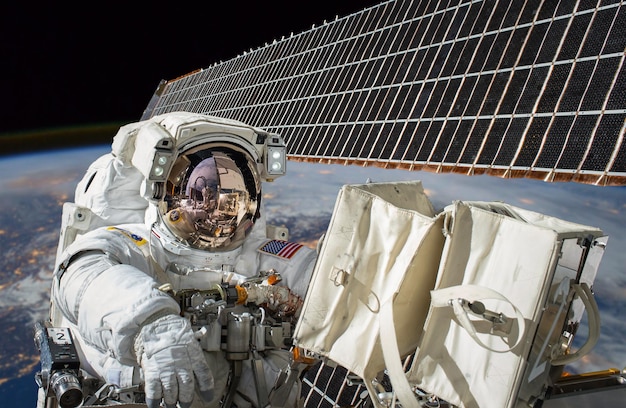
<point x="501" y="323"/>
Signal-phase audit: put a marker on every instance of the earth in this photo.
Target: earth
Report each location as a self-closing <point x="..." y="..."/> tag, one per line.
<point x="34" y="187"/>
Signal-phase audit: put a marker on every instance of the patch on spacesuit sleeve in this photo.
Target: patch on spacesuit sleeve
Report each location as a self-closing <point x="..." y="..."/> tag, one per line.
<point x="283" y="249"/>
<point x="139" y="240"/>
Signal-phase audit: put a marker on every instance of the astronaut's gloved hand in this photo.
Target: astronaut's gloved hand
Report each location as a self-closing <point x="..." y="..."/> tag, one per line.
<point x="170" y="357"/>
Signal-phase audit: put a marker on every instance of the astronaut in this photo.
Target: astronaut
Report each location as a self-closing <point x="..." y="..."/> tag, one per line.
<point x="166" y="275"/>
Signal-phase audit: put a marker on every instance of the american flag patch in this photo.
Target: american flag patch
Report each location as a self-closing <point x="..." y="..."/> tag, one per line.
<point x="280" y="248"/>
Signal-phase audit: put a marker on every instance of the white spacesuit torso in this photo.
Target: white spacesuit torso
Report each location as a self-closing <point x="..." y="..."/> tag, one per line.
<point x="125" y="291"/>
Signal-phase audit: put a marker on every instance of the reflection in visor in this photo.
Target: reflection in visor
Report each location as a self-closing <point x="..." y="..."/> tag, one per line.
<point x="215" y="203"/>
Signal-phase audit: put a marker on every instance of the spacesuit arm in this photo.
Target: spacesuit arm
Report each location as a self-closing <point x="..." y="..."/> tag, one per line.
<point x="109" y="302"/>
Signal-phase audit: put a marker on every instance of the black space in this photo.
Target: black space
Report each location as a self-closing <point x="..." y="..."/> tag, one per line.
<point x="100" y="62"/>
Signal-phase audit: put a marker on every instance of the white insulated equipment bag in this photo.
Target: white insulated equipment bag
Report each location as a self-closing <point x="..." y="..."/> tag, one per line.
<point x="377" y="264"/>
<point x="502" y="267"/>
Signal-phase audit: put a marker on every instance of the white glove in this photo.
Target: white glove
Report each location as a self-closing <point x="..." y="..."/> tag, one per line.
<point x="170" y="356"/>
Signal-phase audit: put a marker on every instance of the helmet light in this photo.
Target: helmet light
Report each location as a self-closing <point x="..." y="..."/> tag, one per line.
<point x="276" y="160"/>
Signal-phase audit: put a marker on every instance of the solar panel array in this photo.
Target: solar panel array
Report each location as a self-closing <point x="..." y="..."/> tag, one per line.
<point x="510" y="88"/>
<point x="329" y="385"/>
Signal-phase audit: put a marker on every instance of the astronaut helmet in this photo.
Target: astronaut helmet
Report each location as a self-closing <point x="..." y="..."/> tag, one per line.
<point x="212" y="196"/>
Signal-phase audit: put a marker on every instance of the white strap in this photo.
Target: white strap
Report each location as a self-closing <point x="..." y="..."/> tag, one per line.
<point x="391" y="354"/>
<point x="447" y="297"/>
<point x="593" y="317"/>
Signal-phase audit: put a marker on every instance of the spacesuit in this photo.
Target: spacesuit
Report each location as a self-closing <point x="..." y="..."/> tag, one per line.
<point x="166" y="276"/>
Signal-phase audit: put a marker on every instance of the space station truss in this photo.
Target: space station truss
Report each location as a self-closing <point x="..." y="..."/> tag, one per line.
<point x="508" y="88"/>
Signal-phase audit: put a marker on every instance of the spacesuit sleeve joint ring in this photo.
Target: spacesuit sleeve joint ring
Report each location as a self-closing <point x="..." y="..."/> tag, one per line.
<point x="65" y="264"/>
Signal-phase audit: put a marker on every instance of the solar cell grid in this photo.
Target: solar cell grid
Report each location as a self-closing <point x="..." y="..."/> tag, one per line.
<point x="557" y="80"/>
<point x="509" y="145"/>
<point x="514" y="47"/>
<point x="474" y="141"/>
<point x="435" y="99"/>
<point x="449" y="97"/>
<point x="475" y="83"/>
<point x="395" y="13"/>
<point x="443" y="141"/>
<point x="389" y="101"/>
<point x="325" y="143"/>
<point x="382" y="148"/>
<point x="426" y="7"/>
<point x="478" y="94"/>
<point x="417" y="138"/>
<point x="533" y="138"/>
<point x="578" y="139"/>
<point x="470" y="20"/>
<point x="463" y="95"/>
<point x="494" y="45"/>
<point x="617" y="98"/>
<point x="619" y="163"/>
<point x="554" y="141"/>
<point x="500" y="10"/>
<point x="497" y="90"/>
<point x="296" y="146"/>
<point x="577" y="86"/>
<point x="402" y="142"/>
<point x="604" y="138"/>
<point x="422" y="99"/>
<point x="429" y="141"/>
<point x="493" y="140"/>
<point x="467" y="56"/>
<point x="453" y="57"/>
<point x="514" y="13"/>
<point x="355" y="131"/>
<point x="535" y="40"/>
<point x="436" y="21"/>
<point x="441" y="60"/>
<point x="575" y="36"/>
<point x="376" y="108"/>
<point x="335" y="145"/>
<point x="616" y="38"/>
<point x="484" y="17"/>
<point x="363" y="147"/>
<point x="597" y="33"/>
<point x="513" y="91"/>
<point x="458" y="142"/>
